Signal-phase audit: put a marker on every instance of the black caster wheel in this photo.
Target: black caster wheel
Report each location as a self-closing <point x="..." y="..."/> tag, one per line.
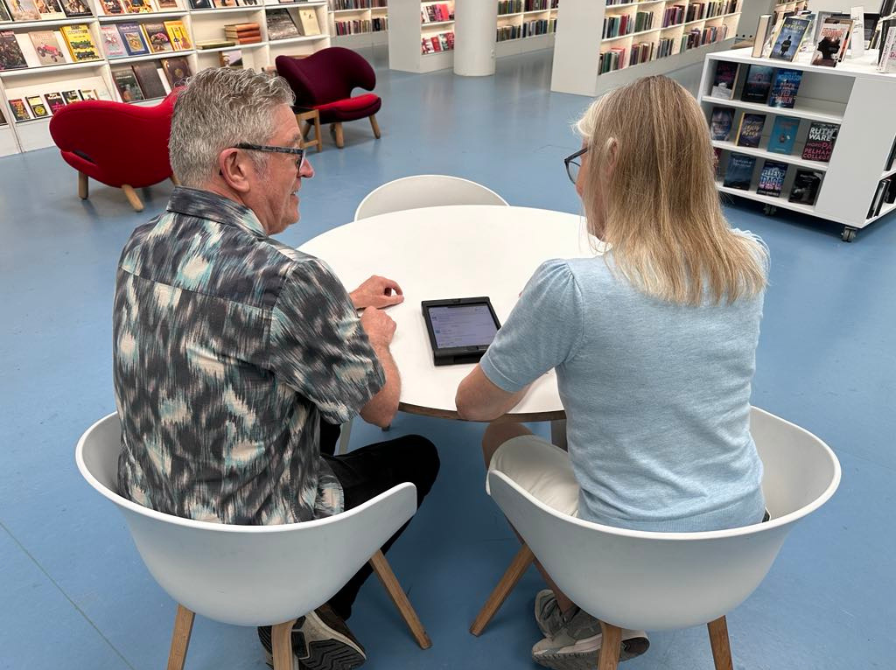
<point x="849" y="234"/>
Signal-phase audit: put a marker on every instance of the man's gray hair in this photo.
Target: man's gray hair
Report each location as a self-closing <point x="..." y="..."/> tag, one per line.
<point x="220" y="108"/>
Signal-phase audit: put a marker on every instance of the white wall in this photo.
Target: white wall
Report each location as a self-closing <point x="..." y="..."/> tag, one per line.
<point x="871" y="6"/>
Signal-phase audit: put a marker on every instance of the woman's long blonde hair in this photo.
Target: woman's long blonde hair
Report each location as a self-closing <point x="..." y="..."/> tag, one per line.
<point x="658" y="207"/>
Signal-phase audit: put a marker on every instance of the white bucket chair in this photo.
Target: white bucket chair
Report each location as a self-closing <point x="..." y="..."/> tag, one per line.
<point x="662" y="581"/>
<point x="426" y="190"/>
<point x="251" y="575"/>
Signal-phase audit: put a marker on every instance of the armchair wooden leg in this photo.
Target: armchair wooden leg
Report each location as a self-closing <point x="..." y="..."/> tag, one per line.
<point x="610" y="645"/>
<point x="721" y="648"/>
<point x="133" y="198"/>
<point x="375" y="126"/>
<point x="306" y="128"/>
<point x="518" y="567"/>
<point x="340" y="137"/>
<point x="317" y="135"/>
<point x="281" y="643"/>
<point x="82" y="186"/>
<point x="396" y="593"/>
<point x="180" y="639"/>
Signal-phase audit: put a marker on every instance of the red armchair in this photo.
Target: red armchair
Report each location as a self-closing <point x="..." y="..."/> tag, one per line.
<point x="120" y="145"/>
<point x="324" y="81"/>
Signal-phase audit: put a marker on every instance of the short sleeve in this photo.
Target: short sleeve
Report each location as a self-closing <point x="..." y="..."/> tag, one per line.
<point x="544" y="329"/>
<point x="317" y="345"/>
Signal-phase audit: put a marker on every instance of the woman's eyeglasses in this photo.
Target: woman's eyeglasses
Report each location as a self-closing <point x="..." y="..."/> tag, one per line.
<point x="574" y="164"/>
<point x="298" y="153"/>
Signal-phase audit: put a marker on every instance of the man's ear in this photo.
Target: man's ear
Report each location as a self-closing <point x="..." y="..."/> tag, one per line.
<point x="234" y="169"/>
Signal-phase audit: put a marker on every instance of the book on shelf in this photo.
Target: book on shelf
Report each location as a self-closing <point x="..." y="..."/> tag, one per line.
<point x="80" y="43"/>
<point x="126" y="83"/>
<point x="784" y="88"/>
<point x="75" y="8"/>
<point x="166" y="4"/>
<point x="147" y="73"/>
<point x="888" y="53"/>
<point x="112" y="43"/>
<point x="177" y="33"/>
<point x="71" y="96"/>
<point x="280" y="25"/>
<point x="789" y="37"/>
<point x="2" y="117"/>
<point x="24" y="10"/>
<point x="177" y="70"/>
<point x="805" y="187"/>
<point x="226" y="3"/>
<point x="137" y="6"/>
<point x="11" y="56"/>
<point x="232" y="59"/>
<point x="725" y="79"/>
<point x="750" y="131"/>
<point x="771" y="179"/>
<point x="720" y="123"/>
<point x="38" y="106"/>
<point x="215" y="44"/>
<point x="783" y="135"/>
<point x="46" y="45"/>
<point x="55" y="101"/>
<point x="832" y="43"/>
<point x="758" y="84"/>
<point x="157" y="37"/>
<point x="762" y="34"/>
<point x="88" y="94"/>
<point x="717" y="162"/>
<point x="133" y="40"/>
<point x="892" y="157"/>
<point x="4" y="16"/>
<point x="885" y="192"/>
<point x="308" y="22"/>
<point x="201" y="4"/>
<point x="50" y="10"/>
<point x="739" y="173"/>
<point x="820" y="141"/>
<point x="19" y="109"/>
<point x="112" y="7"/>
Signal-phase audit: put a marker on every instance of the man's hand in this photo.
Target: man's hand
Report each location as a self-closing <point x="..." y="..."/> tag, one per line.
<point x="379" y="326"/>
<point x="377" y="292"/>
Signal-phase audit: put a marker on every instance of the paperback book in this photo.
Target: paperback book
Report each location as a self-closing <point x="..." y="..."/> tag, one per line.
<point x="126" y="83"/>
<point x="157" y="37"/>
<point x="147" y="74"/>
<point x="750" y="131"/>
<point x="820" y="141"/>
<point x="112" y="44"/>
<point x="232" y="59"/>
<point x="50" y="10"/>
<point x="308" y="22"/>
<point x="176" y="70"/>
<point x="720" y="124"/>
<point x="723" y="84"/>
<point x="758" y="84"/>
<point x="177" y="33"/>
<point x="80" y="43"/>
<point x="739" y="174"/>
<point x="24" y="10"/>
<point x="47" y="47"/>
<point x="112" y="7"/>
<point x="75" y="8"/>
<point x="11" y="57"/>
<point x="4" y="16"/>
<point x="783" y="135"/>
<point x="55" y="102"/>
<point x="132" y="37"/>
<point x="71" y="96"/>
<point x="280" y="25"/>
<point x="785" y="87"/>
<point x="771" y="179"/>
<point x="38" y="106"/>
<point x="19" y="109"/>
<point x="789" y="37"/>
<point x="805" y="187"/>
<point x="833" y="41"/>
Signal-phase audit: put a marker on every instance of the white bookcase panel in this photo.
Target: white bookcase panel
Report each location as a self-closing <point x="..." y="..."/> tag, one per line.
<point x="407" y="31"/>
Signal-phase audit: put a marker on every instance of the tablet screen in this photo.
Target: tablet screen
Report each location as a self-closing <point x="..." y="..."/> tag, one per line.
<point x="462" y="325"/>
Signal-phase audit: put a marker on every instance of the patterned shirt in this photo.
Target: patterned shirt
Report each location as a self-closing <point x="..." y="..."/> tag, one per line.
<point x="228" y="348"/>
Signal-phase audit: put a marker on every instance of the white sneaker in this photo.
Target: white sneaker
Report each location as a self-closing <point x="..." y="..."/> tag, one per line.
<point x="576" y="645"/>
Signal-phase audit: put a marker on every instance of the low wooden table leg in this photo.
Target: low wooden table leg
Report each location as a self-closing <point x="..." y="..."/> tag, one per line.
<point x="610" y="644"/>
<point x="180" y="638"/>
<point x="396" y="593"/>
<point x="340" y="137"/>
<point x="281" y="644"/>
<point x="375" y="126"/>
<point x="82" y="186"/>
<point x="317" y="135"/>
<point x="518" y="567"/>
<point x="133" y="198"/>
<point x="721" y="647"/>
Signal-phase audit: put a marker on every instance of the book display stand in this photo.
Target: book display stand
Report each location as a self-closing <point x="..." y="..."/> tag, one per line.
<point x="836" y="142"/>
<point x="125" y="72"/>
<point x="421" y="35"/>
<point x="526" y="25"/>
<point x="603" y="44"/>
<point x="356" y="24"/>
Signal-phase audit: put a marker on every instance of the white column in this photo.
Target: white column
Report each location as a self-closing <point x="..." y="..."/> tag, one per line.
<point x="475" y="30"/>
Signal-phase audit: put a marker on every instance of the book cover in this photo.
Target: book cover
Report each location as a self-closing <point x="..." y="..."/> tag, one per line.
<point x="232" y="59"/>
<point x="820" y="141"/>
<point x="71" y="96"/>
<point x="80" y="43"/>
<point x="19" y="109"/>
<point x="761" y="35"/>
<point x="126" y="83"/>
<point x="157" y="37"/>
<point x="89" y="94"/>
<point x="11" y="56"/>
<point x="167" y="4"/>
<point x="111" y="41"/>
<point x="132" y="37"/>
<point x="750" y="131"/>
<point x="55" y="101"/>
<point x="2" y="118"/>
<point x="38" y="106"/>
<point x="771" y="179"/>
<point x="717" y="161"/>
<point x="789" y="37"/>
<point x="47" y="47"/>
<point x="201" y="4"/>
<point x="805" y="187"/>
<point x="720" y="123"/>
<point x="783" y="135"/>
<point x="24" y="10"/>
<point x="281" y="25"/>
<point x="833" y="40"/>
<point x="75" y="8"/>
<point x="112" y="7"/>
<point x="887" y="63"/>
<point x="785" y="88"/>
<point x="226" y="3"/>
<point x="177" y="33"/>
<point x="148" y="77"/>
<point x="4" y="16"/>
<point x="50" y="10"/>
<point x="308" y="22"/>
<point x="137" y="6"/>
<point x="739" y="174"/>
<point x="758" y="84"/>
<point x="176" y="70"/>
<point x="723" y="84"/>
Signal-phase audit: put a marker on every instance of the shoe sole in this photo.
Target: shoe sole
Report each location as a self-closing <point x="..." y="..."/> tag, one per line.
<point x="319" y="647"/>
<point x="588" y="660"/>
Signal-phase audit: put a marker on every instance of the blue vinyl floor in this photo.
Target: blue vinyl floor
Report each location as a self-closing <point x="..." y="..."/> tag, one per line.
<point x="74" y="593"/>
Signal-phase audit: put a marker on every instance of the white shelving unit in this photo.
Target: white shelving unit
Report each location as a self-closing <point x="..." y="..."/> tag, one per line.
<point x="580" y="43"/>
<point x="407" y="31"/>
<point x="520" y="45"/>
<point x="201" y="25"/>
<point x="367" y="13"/>
<point x="853" y="95"/>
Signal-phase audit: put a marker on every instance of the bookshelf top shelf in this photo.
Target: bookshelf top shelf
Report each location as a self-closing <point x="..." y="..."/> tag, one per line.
<point x="44" y="69"/>
<point x="866" y="66"/>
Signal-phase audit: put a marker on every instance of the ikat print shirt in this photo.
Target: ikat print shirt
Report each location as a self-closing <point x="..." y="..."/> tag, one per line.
<point x="228" y="349"/>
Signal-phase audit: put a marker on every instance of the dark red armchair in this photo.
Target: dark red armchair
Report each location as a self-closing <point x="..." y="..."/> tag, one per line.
<point x="120" y="145"/>
<point x="325" y="80"/>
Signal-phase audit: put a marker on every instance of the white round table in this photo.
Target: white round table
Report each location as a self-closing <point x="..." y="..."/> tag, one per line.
<point x="453" y="252"/>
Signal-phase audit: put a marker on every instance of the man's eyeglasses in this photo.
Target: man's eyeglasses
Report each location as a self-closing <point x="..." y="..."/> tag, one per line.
<point x="298" y="153"/>
<point x="574" y="164"/>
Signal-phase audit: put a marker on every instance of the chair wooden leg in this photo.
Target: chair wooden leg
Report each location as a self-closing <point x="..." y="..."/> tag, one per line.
<point x="375" y="126"/>
<point x="721" y="648"/>
<point x="518" y="567"/>
<point x="82" y="186"/>
<point x="611" y="643"/>
<point x="340" y="137"/>
<point x="396" y="593"/>
<point x="133" y="198"/>
<point x="281" y="644"/>
<point x="174" y="180"/>
<point x="317" y="135"/>
<point x="180" y="639"/>
<point x="306" y="128"/>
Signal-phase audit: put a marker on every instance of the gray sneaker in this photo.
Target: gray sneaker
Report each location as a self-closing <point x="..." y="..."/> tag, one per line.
<point x="576" y="645"/>
<point x="547" y="613"/>
<point x="320" y="641"/>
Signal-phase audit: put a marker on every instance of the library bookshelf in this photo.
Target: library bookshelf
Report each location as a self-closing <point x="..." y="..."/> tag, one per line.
<point x="525" y="25"/>
<point x="408" y="30"/>
<point x="582" y="50"/>
<point x="357" y="24"/>
<point x="201" y="25"/>
<point x="855" y="97"/>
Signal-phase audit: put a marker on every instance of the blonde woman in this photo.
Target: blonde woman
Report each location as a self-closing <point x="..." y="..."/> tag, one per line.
<point x="654" y="344"/>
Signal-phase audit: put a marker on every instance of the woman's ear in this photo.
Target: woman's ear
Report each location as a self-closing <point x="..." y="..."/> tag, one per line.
<point x="612" y="156"/>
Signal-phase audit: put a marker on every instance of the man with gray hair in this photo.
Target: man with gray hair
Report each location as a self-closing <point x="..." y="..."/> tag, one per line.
<point x="236" y="356"/>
